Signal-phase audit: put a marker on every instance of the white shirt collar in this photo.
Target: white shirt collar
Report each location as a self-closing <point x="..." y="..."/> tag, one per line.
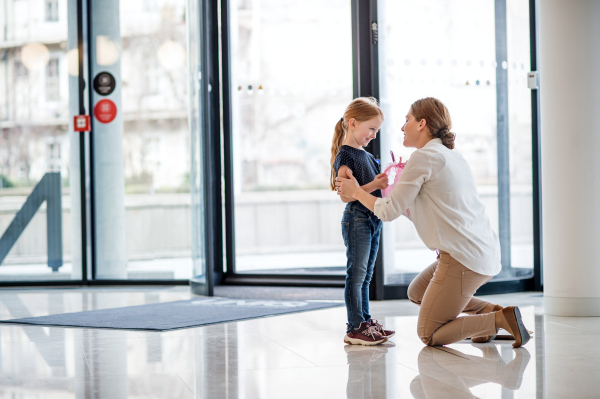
<point x="433" y="142"/>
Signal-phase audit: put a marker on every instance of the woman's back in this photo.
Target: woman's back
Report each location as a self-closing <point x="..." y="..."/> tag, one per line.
<point x="447" y="212"/>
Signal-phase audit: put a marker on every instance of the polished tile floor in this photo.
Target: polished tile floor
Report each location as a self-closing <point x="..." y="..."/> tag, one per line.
<point x="292" y="356"/>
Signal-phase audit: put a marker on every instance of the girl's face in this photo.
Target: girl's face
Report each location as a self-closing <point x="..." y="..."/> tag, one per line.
<point x="413" y="130"/>
<point x="366" y="131"/>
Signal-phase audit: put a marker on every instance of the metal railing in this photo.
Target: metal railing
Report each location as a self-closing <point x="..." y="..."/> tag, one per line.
<point x="49" y="190"/>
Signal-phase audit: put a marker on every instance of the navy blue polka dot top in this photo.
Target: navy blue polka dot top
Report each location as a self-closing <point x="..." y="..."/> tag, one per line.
<point x="364" y="166"/>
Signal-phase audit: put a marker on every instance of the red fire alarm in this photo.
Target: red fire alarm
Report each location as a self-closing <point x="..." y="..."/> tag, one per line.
<point x="81" y="123"/>
<point x="105" y="111"/>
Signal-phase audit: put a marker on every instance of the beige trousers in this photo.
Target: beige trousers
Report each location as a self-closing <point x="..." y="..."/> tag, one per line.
<point x="444" y="290"/>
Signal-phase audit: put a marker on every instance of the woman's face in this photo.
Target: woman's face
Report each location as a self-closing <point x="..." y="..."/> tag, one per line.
<point x="366" y="131"/>
<point x="412" y="130"/>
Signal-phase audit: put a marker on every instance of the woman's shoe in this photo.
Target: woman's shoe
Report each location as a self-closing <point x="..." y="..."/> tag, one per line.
<point x="512" y="316"/>
<point x="507" y="337"/>
<point x="500" y="337"/>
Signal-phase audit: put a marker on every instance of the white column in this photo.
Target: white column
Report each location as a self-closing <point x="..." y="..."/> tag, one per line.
<point x="570" y="137"/>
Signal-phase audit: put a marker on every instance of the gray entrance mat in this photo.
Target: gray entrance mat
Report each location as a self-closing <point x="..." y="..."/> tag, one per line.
<point x="174" y="315"/>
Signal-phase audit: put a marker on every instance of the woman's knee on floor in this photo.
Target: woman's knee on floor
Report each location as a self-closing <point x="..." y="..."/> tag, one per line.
<point x="425" y="331"/>
<point x="414" y="295"/>
<point x="427" y="339"/>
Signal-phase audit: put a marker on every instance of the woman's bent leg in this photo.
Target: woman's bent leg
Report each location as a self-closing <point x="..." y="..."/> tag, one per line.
<point x="477" y="306"/>
<point x="417" y="288"/>
<point x="449" y="292"/>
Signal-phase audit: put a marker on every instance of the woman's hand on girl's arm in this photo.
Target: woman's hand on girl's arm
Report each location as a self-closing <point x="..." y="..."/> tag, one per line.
<point x="346" y="172"/>
<point x="350" y="188"/>
<point x="380" y="182"/>
<point x="347" y="186"/>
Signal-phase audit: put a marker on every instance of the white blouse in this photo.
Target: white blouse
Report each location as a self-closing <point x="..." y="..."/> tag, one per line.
<point x="437" y="192"/>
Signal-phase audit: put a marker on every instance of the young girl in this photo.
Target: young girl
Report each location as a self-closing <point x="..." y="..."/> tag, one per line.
<point x="360" y="227"/>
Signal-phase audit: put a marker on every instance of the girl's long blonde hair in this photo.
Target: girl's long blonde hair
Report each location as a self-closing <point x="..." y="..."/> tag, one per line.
<point x="361" y="109"/>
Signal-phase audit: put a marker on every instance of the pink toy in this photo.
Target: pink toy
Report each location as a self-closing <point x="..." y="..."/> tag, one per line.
<point x="393" y="172"/>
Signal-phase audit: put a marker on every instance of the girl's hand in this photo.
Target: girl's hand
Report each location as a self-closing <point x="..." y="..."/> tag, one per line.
<point x="381" y="181"/>
<point x="347" y="187"/>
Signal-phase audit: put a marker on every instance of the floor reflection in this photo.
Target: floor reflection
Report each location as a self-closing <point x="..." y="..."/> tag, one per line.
<point x="443" y="372"/>
<point x="291" y="356"/>
<point x="446" y="372"/>
<point x="360" y="375"/>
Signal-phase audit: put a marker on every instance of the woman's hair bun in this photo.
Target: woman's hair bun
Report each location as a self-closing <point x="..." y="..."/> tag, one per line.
<point x="438" y="118"/>
<point x="447" y="138"/>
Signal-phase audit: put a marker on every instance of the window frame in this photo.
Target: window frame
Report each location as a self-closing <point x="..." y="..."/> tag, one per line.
<point x="51" y="13"/>
<point x="52" y="83"/>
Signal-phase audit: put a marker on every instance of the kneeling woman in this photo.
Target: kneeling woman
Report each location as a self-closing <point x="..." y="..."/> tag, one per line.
<point x="437" y="192"/>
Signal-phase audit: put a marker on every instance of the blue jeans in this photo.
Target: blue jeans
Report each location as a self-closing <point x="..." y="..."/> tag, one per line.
<point x="361" y="230"/>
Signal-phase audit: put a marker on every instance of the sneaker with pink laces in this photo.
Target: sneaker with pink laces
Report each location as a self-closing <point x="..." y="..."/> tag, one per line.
<point x="383" y="332"/>
<point x="365" y="334"/>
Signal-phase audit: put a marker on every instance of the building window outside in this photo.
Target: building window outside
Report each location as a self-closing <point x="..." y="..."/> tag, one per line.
<point x="20" y="70"/>
<point x="52" y="86"/>
<point x="53" y="157"/>
<point x="51" y="11"/>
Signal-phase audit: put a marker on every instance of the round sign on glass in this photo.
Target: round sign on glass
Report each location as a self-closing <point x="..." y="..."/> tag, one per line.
<point x="105" y="111"/>
<point x="104" y="83"/>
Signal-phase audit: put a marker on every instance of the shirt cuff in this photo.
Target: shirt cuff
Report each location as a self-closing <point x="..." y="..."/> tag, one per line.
<point x="380" y="203"/>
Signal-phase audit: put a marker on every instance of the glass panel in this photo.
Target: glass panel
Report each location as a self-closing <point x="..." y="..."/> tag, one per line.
<point x="291" y="81"/>
<point x="454" y="59"/>
<point x="199" y="279"/>
<point x="40" y="213"/>
<point x="143" y="139"/>
<point x="519" y="103"/>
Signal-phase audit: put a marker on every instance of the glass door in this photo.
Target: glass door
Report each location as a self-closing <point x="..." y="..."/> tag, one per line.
<point x="138" y="176"/>
<point x="146" y="149"/>
<point x="291" y="80"/>
<point x="40" y="207"/>
<point x="472" y="56"/>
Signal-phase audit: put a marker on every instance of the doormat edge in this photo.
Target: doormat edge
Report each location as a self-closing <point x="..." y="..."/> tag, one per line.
<point x="30" y="323"/>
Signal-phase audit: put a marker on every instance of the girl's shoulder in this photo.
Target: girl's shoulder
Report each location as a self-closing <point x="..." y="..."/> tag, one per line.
<point x="344" y="153"/>
<point x="347" y="149"/>
<point x="344" y="157"/>
<point x="350" y="153"/>
<point x="347" y="152"/>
